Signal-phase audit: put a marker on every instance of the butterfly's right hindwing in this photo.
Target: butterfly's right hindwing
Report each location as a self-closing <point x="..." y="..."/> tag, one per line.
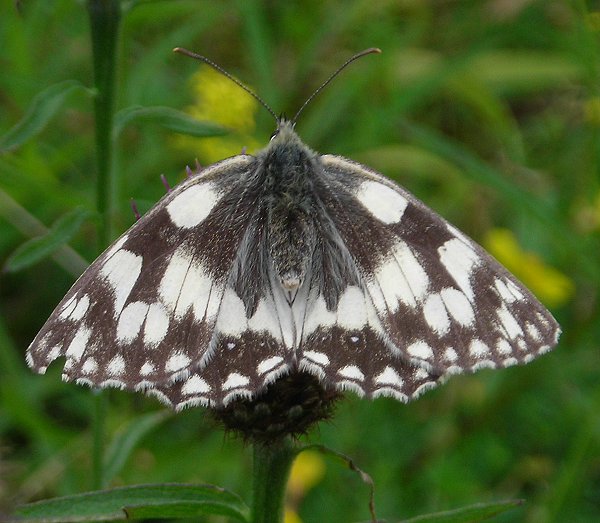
<point x="145" y="311"/>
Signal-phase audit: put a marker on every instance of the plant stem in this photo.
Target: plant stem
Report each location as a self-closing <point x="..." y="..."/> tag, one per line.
<point x="272" y="464"/>
<point x="105" y="18"/>
<point x="99" y="414"/>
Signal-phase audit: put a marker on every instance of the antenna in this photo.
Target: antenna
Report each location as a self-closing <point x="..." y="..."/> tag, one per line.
<point x="225" y="73"/>
<point x="371" y="50"/>
<point x="191" y="54"/>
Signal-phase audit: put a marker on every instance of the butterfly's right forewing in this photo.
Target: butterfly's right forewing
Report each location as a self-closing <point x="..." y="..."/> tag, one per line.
<point x="145" y="311"/>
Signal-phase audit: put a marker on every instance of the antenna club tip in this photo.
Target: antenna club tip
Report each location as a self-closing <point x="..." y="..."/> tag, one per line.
<point x="183" y="50"/>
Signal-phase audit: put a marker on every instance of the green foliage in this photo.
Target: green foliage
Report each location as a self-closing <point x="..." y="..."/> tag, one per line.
<point x="186" y="501"/>
<point x="126" y="440"/>
<point x="134" y="503"/>
<point x="35" y="250"/>
<point x="487" y="111"/>
<point x="169" y="118"/>
<point x="472" y="514"/>
<point x="42" y="109"/>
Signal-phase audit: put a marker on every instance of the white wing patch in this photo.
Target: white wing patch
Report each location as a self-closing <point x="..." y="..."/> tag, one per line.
<point x="459" y="260"/>
<point x="79" y="343"/>
<point x="389" y="377"/>
<point x="400" y="278"/>
<point x="177" y="362"/>
<point x="131" y="320"/>
<point x="510" y="324"/>
<point x="354" y="311"/>
<point x="436" y="314"/>
<point x="232" y="319"/>
<point x="351" y="372"/>
<point x="187" y="285"/>
<point x="75" y="309"/>
<point x="383" y="202"/>
<point x="269" y="364"/>
<point x="195" y="385"/>
<point x="191" y="207"/>
<point x="264" y="319"/>
<point x="116" y="366"/>
<point x="458" y="305"/>
<point x="420" y="350"/>
<point x="157" y="325"/>
<point x="235" y="380"/>
<point x="121" y="271"/>
<point x="478" y="349"/>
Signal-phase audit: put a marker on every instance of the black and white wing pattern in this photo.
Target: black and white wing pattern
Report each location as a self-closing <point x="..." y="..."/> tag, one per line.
<point x="283" y="262"/>
<point x="428" y="302"/>
<point x="159" y="302"/>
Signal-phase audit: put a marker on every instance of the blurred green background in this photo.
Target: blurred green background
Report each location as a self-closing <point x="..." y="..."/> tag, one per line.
<point x="488" y="110"/>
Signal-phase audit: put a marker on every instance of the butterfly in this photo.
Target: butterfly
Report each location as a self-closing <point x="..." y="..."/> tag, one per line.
<point x="290" y="261"/>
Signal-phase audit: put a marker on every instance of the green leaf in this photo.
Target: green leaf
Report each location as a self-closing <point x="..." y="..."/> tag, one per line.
<point x="36" y="249"/>
<point x="126" y="441"/>
<point x="184" y="509"/>
<point x="470" y="514"/>
<point x="137" y="502"/>
<point x="169" y="118"/>
<point x="43" y="108"/>
<point x="517" y="72"/>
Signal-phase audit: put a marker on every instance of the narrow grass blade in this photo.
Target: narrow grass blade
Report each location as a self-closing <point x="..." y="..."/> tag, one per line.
<point x="470" y="514"/>
<point x="43" y="108"/>
<point x="36" y="249"/>
<point x="127" y="440"/>
<point x="167" y="117"/>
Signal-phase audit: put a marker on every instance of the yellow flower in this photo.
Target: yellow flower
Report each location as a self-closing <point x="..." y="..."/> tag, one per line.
<point x="291" y="517"/>
<point x="308" y="470"/>
<point x="220" y="100"/>
<point x="549" y="284"/>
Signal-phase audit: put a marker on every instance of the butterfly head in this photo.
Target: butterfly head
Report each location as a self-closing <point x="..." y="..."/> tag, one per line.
<point x="285" y="127"/>
<point x="285" y="146"/>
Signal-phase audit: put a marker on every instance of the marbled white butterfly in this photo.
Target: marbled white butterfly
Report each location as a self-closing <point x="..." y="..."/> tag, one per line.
<point x="259" y="266"/>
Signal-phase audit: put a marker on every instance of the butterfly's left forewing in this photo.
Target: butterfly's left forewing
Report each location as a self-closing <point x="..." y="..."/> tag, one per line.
<point x="430" y="301"/>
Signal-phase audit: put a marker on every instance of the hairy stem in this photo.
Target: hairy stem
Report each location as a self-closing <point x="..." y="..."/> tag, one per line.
<point x="272" y="464"/>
